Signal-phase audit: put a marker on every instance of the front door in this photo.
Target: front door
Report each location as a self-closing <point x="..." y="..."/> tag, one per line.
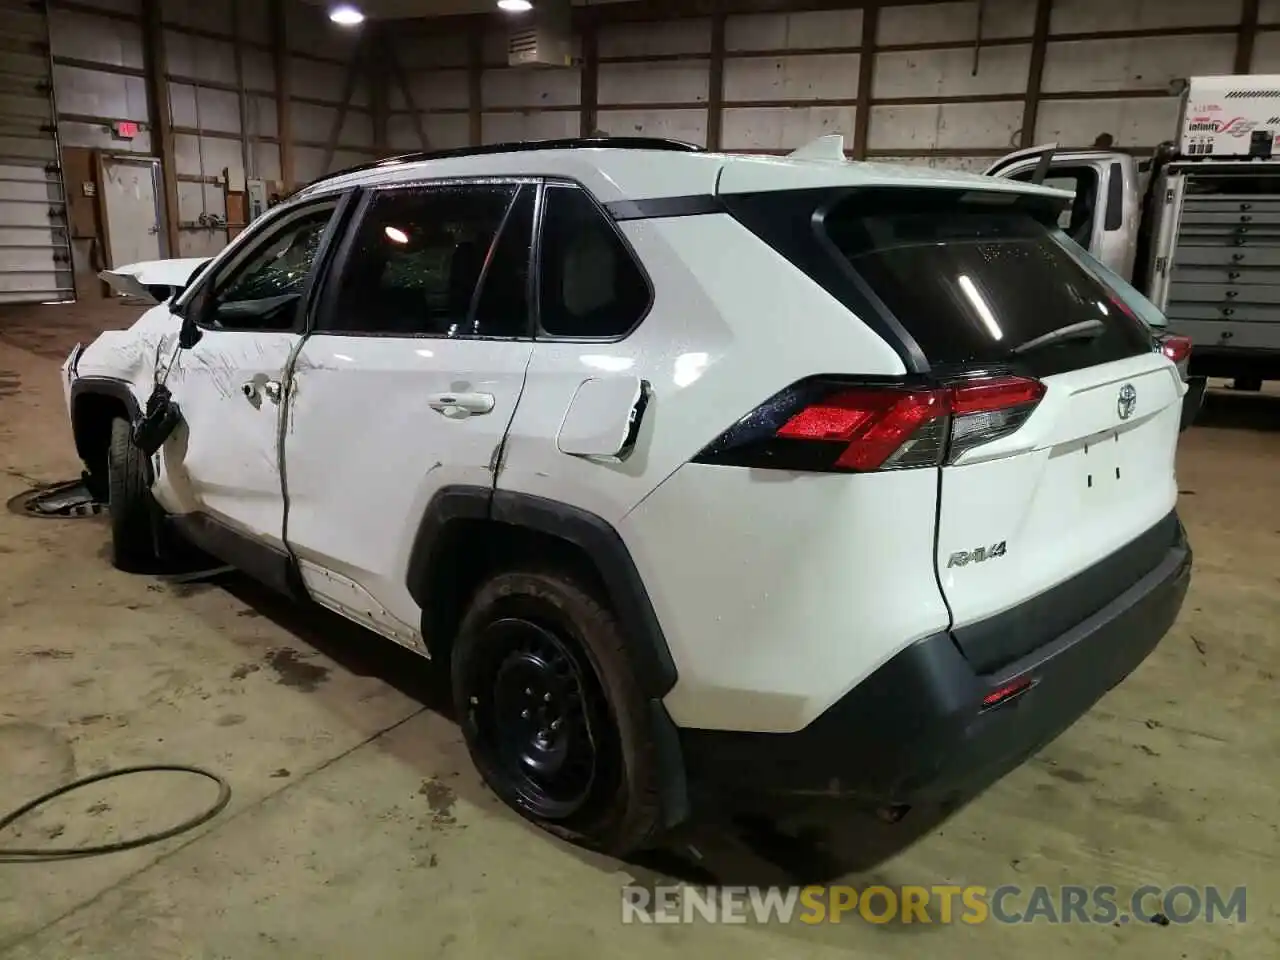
<point x="407" y="384"/>
<point x="222" y="465"/>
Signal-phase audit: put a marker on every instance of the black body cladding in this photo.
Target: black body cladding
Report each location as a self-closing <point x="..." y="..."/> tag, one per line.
<point x="655" y="669"/>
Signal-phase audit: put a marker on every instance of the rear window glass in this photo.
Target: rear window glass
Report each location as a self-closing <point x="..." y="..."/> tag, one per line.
<point x="974" y="280"/>
<point x="1145" y="310"/>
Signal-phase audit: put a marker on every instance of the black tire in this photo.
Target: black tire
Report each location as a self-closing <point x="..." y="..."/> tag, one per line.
<point x="618" y="810"/>
<point x="129" y="503"/>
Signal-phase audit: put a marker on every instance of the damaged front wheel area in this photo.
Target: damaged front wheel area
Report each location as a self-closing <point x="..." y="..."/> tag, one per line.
<point x="134" y="514"/>
<point x="141" y="541"/>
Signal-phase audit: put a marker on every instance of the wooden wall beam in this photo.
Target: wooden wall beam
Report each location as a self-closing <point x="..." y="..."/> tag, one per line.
<point x="161" y="119"/>
<point x="1035" y="76"/>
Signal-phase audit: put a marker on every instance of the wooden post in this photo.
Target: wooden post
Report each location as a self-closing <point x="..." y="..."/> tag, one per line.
<point x="161" y="120"/>
<point x="866" y="79"/>
<point x="348" y="91"/>
<point x="715" y="84"/>
<point x="475" y="80"/>
<point x="380" y="42"/>
<point x="284" y="93"/>
<point x="402" y="80"/>
<point x="590" y="97"/>
<point x="1247" y="37"/>
<point x="1035" y="76"/>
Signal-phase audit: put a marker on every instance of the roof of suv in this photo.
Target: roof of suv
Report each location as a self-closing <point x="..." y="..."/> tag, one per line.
<point x="639" y="168"/>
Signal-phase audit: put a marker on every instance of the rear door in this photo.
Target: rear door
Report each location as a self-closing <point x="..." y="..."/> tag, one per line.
<point x="1105" y="214"/>
<point x="407" y="384"/>
<point x="1081" y="471"/>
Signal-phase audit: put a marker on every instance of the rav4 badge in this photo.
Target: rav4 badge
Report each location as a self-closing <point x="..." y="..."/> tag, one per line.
<point x="963" y="558"/>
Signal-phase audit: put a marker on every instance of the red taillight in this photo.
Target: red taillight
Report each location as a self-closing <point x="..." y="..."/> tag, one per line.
<point x="874" y="424"/>
<point x="822" y="425"/>
<point x="1176" y="348"/>
<point x="991" y="395"/>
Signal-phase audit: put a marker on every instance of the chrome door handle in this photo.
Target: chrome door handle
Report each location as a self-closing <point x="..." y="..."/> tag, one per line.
<point x="458" y="406"/>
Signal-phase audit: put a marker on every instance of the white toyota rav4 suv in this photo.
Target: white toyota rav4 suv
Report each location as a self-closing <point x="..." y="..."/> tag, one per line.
<point x="699" y="473"/>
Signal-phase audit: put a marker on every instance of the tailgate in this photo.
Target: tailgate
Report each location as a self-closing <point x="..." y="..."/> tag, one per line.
<point x="1054" y="479"/>
<point x="1040" y="530"/>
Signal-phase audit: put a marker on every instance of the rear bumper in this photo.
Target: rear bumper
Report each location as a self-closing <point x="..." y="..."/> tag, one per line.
<point x="916" y="730"/>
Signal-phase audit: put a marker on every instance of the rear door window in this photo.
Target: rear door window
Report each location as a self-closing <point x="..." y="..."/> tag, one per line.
<point x="977" y="280"/>
<point x="448" y="260"/>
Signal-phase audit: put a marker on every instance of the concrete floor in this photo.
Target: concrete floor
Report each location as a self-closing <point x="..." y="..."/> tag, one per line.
<point x="358" y="827"/>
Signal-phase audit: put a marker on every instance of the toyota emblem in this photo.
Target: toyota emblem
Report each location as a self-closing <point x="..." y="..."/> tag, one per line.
<point x="1127" y="402"/>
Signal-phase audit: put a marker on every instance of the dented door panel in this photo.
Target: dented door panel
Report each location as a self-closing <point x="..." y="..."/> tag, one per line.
<point x="370" y="438"/>
<point x="223" y="459"/>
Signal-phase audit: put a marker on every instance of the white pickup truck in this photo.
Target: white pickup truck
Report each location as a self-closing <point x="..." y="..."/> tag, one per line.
<point x="1196" y="228"/>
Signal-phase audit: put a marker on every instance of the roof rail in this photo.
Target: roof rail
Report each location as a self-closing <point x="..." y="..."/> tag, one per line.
<point x="523" y="146"/>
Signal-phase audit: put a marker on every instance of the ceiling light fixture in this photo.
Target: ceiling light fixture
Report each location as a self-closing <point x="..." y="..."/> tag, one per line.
<point x="515" y="6"/>
<point x="346" y="16"/>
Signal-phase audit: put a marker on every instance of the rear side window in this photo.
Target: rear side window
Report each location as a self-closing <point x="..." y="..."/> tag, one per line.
<point x="590" y="285"/>
<point x="446" y="261"/>
<point x="977" y="280"/>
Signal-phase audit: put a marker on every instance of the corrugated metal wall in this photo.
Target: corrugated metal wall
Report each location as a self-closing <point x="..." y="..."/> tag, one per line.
<point x="35" y="252"/>
<point x="222" y="85"/>
<point x="952" y="82"/>
<point x="956" y="83"/>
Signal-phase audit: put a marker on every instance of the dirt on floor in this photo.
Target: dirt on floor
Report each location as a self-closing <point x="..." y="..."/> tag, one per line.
<point x="357" y="826"/>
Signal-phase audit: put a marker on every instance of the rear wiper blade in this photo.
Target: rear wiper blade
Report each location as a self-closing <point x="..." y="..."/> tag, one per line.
<point x="1084" y="330"/>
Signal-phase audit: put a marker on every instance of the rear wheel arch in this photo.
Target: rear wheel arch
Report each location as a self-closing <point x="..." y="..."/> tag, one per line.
<point x="469" y="533"/>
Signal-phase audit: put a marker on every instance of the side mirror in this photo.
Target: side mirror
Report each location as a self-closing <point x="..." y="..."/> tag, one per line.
<point x="190" y="333"/>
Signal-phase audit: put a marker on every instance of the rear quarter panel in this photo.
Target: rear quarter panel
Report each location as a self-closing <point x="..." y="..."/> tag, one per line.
<point x="731" y="324"/>
<point x="769" y="585"/>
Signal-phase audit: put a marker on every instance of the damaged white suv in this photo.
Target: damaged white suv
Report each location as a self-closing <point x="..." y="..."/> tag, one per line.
<point x="700" y="473"/>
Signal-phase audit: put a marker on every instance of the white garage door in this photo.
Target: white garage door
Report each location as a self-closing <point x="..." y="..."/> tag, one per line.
<point x="35" y="258"/>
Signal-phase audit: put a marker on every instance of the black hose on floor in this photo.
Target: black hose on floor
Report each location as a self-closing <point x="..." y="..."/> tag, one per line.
<point x="39" y="855"/>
